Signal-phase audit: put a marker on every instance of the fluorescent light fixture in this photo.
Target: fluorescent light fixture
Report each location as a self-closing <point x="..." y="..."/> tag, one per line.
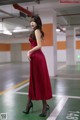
<point x="57" y="30"/>
<point x="20" y="30"/>
<point x="64" y="29"/>
<point x="7" y="32"/>
<point x="3" y="29"/>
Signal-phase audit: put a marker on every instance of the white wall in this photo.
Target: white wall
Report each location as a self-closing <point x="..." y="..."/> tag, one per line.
<point x="16" y="53"/>
<point x="24" y="56"/>
<point x="5" y="57"/>
<point x="61" y="55"/>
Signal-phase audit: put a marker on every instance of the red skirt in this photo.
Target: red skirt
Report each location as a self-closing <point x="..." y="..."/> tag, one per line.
<point x="39" y="87"/>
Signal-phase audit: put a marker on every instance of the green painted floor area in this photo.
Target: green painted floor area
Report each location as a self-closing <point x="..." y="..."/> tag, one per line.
<point x="66" y="87"/>
<point x="25" y="89"/>
<point x="14" y="104"/>
<point x="62" y="87"/>
<point x="71" y="110"/>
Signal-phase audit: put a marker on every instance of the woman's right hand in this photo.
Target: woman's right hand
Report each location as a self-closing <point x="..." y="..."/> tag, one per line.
<point x="28" y="55"/>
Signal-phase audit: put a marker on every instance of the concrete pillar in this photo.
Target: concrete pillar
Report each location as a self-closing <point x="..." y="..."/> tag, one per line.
<point x="16" y="52"/>
<point x="70" y="46"/>
<point x="54" y="44"/>
<point x="50" y="51"/>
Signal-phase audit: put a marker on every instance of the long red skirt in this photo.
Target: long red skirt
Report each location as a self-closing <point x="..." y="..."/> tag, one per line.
<point x="39" y="87"/>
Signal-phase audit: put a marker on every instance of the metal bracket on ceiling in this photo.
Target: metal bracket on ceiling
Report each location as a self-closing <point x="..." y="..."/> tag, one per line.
<point x="37" y="1"/>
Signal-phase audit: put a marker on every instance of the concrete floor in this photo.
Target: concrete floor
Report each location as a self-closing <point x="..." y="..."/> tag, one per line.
<point x="14" y="81"/>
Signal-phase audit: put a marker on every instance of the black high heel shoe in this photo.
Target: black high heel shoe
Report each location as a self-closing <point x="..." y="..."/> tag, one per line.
<point x="29" y="106"/>
<point x="43" y="114"/>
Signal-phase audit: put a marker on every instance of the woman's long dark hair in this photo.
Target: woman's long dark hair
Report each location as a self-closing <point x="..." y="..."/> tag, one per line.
<point x="38" y="21"/>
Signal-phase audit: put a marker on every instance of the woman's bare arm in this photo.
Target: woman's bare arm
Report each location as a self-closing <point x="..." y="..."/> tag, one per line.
<point x="39" y="43"/>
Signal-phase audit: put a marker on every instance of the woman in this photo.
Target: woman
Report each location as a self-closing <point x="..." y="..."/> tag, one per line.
<point x="39" y="87"/>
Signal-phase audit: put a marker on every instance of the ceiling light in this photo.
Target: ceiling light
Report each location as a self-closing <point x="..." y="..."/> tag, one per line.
<point x="57" y="30"/>
<point x="7" y="32"/>
<point x="21" y="30"/>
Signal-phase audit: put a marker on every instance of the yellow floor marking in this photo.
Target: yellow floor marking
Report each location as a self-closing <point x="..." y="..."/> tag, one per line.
<point x="15" y="86"/>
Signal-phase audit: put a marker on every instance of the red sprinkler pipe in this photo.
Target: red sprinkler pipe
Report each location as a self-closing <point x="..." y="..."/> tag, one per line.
<point x="16" y="6"/>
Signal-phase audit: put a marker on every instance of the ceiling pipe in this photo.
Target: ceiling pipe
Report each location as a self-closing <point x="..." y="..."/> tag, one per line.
<point x="7" y="2"/>
<point x="16" y="6"/>
<point x="8" y="17"/>
<point x="68" y="14"/>
<point x="6" y="13"/>
<point x="37" y="1"/>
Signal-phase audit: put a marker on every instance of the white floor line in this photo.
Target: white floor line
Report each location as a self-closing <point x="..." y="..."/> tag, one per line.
<point x="62" y="96"/>
<point x="19" y="88"/>
<point x="76" y="97"/>
<point x="61" y="67"/>
<point x="22" y="93"/>
<point x="57" y="109"/>
<point x="69" y="78"/>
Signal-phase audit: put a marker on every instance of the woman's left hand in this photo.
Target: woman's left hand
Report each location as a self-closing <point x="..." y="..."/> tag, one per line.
<point x="28" y="55"/>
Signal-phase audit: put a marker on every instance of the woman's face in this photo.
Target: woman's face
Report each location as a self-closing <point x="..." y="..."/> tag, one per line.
<point x="33" y="24"/>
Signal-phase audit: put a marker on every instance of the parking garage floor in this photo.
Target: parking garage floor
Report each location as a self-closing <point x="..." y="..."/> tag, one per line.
<point x="14" y="81"/>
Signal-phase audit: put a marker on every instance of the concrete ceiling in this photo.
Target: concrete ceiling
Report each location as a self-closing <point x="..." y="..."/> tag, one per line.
<point x="67" y="14"/>
<point x="7" y="2"/>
